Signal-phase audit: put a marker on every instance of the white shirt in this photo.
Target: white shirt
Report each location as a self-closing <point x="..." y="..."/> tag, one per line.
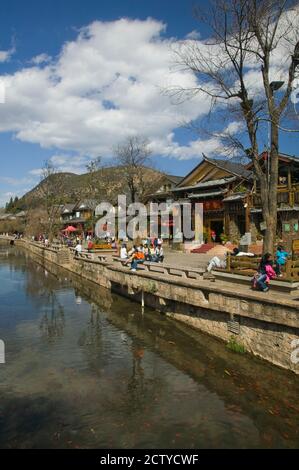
<point x="243" y="253"/>
<point x="79" y="248"/>
<point x="123" y="253"/>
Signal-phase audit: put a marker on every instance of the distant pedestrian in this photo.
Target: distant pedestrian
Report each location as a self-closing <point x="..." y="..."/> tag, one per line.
<point x="78" y="248"/>
<point x="123" y="252"/>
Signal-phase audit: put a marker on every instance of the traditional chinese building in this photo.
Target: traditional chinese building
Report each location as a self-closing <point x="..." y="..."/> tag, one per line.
<point x="79" y="215"/>
<point x="221" y="186"/>
<point x="231" y="198"/>
<point x="287" y="200"/>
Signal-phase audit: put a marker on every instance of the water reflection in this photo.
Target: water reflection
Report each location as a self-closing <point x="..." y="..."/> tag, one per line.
<point x="53" y="322"/>
<point x="97" y="373"/>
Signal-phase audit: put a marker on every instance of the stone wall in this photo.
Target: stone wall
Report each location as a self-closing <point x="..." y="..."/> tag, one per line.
<point x="264" y="327"/>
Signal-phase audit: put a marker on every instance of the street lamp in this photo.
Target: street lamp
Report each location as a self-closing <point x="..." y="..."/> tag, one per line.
<point x="276" y="86"/>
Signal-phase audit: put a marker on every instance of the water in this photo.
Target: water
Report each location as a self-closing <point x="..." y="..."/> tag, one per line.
<point x="85" y="369"/>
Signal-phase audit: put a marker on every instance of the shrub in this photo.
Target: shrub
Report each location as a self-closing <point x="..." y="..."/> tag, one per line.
<point x="234" y="346"/>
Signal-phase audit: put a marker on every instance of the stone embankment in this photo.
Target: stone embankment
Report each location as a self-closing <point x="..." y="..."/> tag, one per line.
<point x="267" y="325"/>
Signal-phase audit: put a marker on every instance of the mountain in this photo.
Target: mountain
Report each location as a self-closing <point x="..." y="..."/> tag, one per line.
<point x="105" y="184"/>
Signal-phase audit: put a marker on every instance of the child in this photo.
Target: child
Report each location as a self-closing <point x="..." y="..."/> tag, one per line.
<point x="281" y="258"/>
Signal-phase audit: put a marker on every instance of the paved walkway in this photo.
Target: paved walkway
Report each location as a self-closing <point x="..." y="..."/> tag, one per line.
<point x="191" y="260"/>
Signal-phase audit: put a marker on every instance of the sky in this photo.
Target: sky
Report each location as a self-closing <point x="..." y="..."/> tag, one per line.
<point x="77" y="77"/>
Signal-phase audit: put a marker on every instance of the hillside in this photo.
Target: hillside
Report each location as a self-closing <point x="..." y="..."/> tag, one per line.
<point x="105" y="184"/>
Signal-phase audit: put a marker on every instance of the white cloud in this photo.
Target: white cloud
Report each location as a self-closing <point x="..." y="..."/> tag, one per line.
<point x="6" y="55"/>
<point x="36" y="172"/>
<point x="104" y="86"/>
<point x="194" y="149"/>
<point x="10" y="181"/>
<point x="193" y="34"/>
<point x="41" y="59"/>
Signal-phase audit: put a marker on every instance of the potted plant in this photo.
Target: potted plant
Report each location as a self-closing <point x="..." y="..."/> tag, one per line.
<point x="223" y="238"/>
<point x="205" y="236"/>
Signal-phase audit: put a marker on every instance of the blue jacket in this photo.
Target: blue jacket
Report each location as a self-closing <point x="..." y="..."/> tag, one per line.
<point x="281" y="256"/>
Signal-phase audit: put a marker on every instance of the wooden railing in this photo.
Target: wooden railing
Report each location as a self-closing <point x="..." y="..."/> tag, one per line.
<point x="285" y="195"/>
<point x="292" y="270"/>
<point x="249" y="265"/>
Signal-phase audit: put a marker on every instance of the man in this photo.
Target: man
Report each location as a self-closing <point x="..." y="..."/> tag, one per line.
<point x="159" y="254"/>
<point x="137" y="258"/>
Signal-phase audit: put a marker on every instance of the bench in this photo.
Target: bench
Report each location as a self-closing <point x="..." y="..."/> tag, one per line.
<point x="282" y="285"/>
<point x="161" y="268"/>
<point x="249" y="265"/>
<point x="90" y="256"/>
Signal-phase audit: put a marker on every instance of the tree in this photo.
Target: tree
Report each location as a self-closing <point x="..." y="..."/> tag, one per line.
<point x="133" y="156"/>
<point x="53" y="196"/>
<point x="248" y="35"/>
<point x="94" y="184"/>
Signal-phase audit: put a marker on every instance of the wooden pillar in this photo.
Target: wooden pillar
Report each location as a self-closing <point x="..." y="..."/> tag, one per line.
<point x="247" y="214"/>
<point x="226" y="221"/>
<point x="289" y="178"/>
<point x="291" y="194"/>
<point x="228" y="262"/>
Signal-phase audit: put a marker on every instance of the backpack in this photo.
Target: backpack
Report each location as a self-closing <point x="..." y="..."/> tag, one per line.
<point x="254" y="280"/>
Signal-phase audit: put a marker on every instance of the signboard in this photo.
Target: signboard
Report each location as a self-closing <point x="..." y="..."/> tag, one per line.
<point x="295" y="246"/>
<point x="263" y="225"/>
<point x="246" y="239"/>
<point x="178" y="237"/>
<point x="213" y="205"/>
<point x="102" y="247"/>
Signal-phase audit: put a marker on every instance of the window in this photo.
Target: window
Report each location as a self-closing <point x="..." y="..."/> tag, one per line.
<point x="286" y="227"/>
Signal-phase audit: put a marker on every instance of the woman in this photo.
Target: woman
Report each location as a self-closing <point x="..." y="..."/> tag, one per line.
<point x="266" y="273"/>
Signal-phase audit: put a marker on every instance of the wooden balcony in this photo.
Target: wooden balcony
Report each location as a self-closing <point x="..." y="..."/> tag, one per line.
<point x="285" y="197"/>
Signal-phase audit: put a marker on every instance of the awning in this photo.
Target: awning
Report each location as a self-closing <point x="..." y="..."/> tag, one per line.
<point x="70" y="229"/>
<point x="279" y="209"/>
<point x="234" y="197"/>
<point x="206" y="184"/>
<point x="204" y="195"/>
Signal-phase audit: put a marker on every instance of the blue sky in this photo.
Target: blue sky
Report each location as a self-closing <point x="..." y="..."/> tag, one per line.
<point x="50" y="110"/>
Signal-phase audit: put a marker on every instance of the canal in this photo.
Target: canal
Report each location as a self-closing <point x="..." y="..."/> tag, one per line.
<point x="86" y="369"/>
